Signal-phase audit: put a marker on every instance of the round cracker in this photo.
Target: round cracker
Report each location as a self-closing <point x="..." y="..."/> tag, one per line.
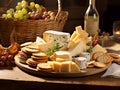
<point x="39" y="58"/>
<point x="44" y="67"/>
<point x="31" y="62"/>
<point x="114" y="55"/>
<point x="26" y="44"/>
<point x="30" y="51"/>
<point x="34" y="63"/>
<point x="91" y="62"/>
<point x="99" y="64"/>
<point x="39" y="54"/>
<point x="97" y="54"/>
<point x="105" y="58"/>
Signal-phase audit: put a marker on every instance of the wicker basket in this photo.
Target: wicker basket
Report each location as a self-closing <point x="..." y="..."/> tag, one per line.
<point x="28" y="30"/>
<point x="24" y="31"/>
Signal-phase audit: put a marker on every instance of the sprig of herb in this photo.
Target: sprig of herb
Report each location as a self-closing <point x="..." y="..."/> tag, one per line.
<point x="90" y="48"/>
<point x="55" y="48"/>
<point x="104" y="39"/>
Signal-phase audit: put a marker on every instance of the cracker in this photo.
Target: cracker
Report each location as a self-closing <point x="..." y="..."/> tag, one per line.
<point x="99" y="64"/>
<point x="91" y="62"/>
<point x="39" y="58"/>
<point x="96" y="54"/>
<point x="32" y="62"/>
<point x="26" y="44"/>
<point x="30" y="51"/>
<point x="114" y="56"/>
<point x="105" y="58"/>
<point x="44" y="67"/>
<point x="39" y="54"/>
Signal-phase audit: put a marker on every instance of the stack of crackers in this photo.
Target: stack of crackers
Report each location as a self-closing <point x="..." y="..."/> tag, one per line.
<point x="31" y="54"/>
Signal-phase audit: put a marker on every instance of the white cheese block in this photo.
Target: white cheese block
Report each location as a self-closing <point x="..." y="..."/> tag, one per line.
<point x="56" y="37"/>
<point x="81" y="62"/>
<point x="86" y="55"/>
<point x="65" y="66"/>
<point x="69" y="66"/>
<point x="57" y="66"/>
<point x="78" y="48"/>
<point x="63" y="55"/>
<point x="74" y="67"/>
<point x="51" y="63"/>
<point x="60" y="59"/>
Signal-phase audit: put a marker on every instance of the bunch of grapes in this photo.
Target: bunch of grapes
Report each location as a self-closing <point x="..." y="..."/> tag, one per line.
<point x="6" y="59"/>
<point x="100" y="39"/>
<point x="39" y="12"/>
<point x="25" y="10"/>
<point x="20" y="11"/>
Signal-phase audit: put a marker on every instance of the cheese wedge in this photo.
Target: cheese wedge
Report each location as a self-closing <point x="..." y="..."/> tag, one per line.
<point x="86" y="55"/>
<point x="51" y="63"/>
<point x="57" y="66"/>
<point x="44" y="47"/>
<point x="62" y="56"/>
<point x="99" y="48"/>
<point x="74" y="67"/>
<point x="78" y="48"/>
<point x="81" y="62"/>
<point x="56" y="37"/>
<point x="82" y="33"/>
<point x="39" y="40"/>
<point x="66" y="66"/>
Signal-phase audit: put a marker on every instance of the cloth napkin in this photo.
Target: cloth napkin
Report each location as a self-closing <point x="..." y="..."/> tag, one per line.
<point x="113" y="71"/>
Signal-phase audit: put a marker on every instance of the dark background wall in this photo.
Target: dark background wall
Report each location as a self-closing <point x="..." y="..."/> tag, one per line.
<point x="109" y="11"/>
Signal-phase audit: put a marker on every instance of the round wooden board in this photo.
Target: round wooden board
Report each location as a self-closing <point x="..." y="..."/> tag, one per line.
<point x="87" y="72"/>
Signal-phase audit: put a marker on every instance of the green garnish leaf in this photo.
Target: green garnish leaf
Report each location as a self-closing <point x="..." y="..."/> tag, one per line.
<point x="104" y="39"/>
<point x="55" y="48"/>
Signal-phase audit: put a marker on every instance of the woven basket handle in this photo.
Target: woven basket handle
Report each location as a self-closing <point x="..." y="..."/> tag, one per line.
<point x="7" y="3"/>
<point x="59" y="9"/>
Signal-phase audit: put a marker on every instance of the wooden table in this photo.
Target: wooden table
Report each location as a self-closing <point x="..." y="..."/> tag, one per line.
<point x="16" y="79"/>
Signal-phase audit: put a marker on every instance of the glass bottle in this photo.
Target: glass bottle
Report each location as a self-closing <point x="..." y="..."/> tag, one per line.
<point x="91" y="19"/>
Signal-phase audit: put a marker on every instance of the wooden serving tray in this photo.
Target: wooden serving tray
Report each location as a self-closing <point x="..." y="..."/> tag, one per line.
<point x="87" y="72"/>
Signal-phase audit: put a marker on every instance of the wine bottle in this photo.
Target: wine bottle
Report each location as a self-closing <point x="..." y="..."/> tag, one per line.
<point x="91" y="19"/>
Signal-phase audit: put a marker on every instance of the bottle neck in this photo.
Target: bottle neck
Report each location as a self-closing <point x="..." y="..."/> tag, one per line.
<point x="92" y="3"/>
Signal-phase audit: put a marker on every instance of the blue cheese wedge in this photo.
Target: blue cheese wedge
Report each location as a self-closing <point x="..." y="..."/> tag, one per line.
<point x="86" y="55"/>
<point x="61" y="38"/>
<point x="81" y="62"/>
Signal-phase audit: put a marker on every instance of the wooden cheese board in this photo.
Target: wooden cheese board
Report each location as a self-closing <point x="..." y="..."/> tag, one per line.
<point x="87" y="72"/>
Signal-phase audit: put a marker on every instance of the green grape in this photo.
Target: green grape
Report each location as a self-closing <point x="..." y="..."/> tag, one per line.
<point x="16" y="16"/>
<point x="32" y="5"/>
<point x="9" y="11"/>
<point x="37" y="6"/>
<point x="24" y="11"/>
<point x="23" y="2"/>
<point x="20" y="13"/>
<point x="9" y="15"/>
<point x="18" y="7"/>
<point x="19" y="4"/>
<point x="23" y="5"/>
<point x="25" y="17"/>
<point x="12" y="10"/>
<point x="20" y="18"/>
<point x="4" y="15"/>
